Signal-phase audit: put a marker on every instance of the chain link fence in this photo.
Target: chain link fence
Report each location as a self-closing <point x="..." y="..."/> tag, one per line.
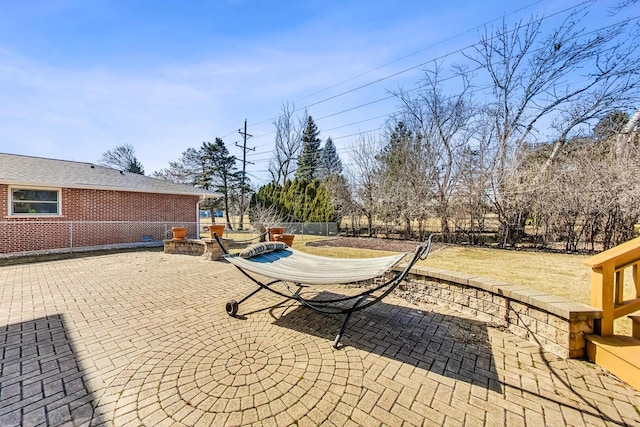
<point x="69" y="236"/>
<point x="325" y="229"/>
<point x="48" y="236"/>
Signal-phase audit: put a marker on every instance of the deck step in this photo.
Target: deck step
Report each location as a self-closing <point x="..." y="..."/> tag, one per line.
<point x="618" y="354"/>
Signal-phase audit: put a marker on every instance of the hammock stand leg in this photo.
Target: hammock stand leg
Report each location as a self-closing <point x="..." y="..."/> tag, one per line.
<point x="232" y="305"/>
<point x="346" y="320"/>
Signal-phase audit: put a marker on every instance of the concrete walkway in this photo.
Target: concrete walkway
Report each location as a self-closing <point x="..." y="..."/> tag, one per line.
<point x="142" y="338"/>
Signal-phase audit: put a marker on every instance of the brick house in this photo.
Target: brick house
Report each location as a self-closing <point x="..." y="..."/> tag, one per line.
<point x="49" y="204"/>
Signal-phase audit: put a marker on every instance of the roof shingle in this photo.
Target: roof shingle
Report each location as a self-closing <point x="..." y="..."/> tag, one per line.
<point x="42" y="172"/>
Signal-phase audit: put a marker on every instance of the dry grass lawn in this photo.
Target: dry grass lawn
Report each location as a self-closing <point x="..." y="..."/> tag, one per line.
<point x="339" y="252"/>
<point x="558" y="274"/>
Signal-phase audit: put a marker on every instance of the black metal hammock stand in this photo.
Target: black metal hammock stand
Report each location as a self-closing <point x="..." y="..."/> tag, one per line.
<point x="285" y="265"/>
<point x="255" y="239"/>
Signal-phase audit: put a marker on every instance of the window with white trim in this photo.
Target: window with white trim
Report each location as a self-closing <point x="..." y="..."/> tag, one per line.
<point x="34" y="201"/>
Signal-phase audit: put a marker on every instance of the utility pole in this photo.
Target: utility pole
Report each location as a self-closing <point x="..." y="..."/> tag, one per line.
<point x="245" y="135"/>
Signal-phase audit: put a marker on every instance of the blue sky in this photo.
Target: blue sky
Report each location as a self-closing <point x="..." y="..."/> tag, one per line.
<point x="81" y="77"/>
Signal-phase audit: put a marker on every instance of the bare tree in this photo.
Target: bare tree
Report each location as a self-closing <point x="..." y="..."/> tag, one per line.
<point x="567" y="78"/>
<point x="123" y="158"/>
<point x="263" y="216"/>
<point x="440" y="121"/>
<point x="590" y="194"/>
<point x="471" y="203"/>
<point x="627" y="138"/>
<point x="621" y="5"/>
<point x="362" y="176"/>
<point x="625" y="191"/>
<point x="287" y="145"/>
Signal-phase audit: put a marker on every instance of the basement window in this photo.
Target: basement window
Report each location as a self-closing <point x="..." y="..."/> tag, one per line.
<point x="34" y="201"/>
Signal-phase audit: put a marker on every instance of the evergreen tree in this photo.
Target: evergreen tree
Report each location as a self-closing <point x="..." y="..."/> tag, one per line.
<point x="319" y="208"/>
<point x="330" y="163"/>
<point x="189" y="169"/>
<point x="397" y="173"/>
<point x="268" y="196"/>
<point x="309" y="160"/>
<point x="394" y="155"/>
<point x="297" y="200"/>
<point x="221" y="173"/>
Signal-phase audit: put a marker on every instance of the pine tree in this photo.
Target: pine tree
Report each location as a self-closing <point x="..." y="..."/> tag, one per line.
<point x="298" y="200"/>
<point x="221" y="172"/>
<point x="397" y="173"/>
<point x="330" y="163"/>
<point x="310" y="158"/>
<point x="187" y="170"/>
<point x="394" y="155"/>
<point x="611" y="124"/>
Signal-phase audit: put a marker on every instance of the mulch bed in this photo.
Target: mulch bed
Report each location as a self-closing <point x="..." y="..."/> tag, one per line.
<point x="390" y="245"/>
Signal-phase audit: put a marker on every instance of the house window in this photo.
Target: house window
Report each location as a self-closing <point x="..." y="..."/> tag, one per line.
<point x="35" y="201"/>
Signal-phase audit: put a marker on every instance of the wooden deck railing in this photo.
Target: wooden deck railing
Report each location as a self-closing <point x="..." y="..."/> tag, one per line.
<point x="608" y="282"/>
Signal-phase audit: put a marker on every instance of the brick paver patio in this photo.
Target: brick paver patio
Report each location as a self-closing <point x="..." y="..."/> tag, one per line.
<point x="142" y="338"/>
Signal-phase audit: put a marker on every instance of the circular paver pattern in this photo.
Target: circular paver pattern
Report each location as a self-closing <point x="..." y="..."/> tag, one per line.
<point x="235" y="375"/>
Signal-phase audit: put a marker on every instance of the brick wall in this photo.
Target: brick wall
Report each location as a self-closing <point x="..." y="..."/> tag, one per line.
<point x="107" y="205"/>
<point x="144" y="214"/>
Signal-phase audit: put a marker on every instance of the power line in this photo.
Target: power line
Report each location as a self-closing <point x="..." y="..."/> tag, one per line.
<point x="477" y="27"/>
<point x="414" y="89"/>
<point x="410" y="68"/>
<point x="326" y="130"/>
<point x="443" y="56"/>
<point x="444" y="79"/>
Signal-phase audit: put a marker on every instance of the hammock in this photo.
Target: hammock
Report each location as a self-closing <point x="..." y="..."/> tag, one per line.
<point x="299" y="268"/>
<point x="294" y="266"/>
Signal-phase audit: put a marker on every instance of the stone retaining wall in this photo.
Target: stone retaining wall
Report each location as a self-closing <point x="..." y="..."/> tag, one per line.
<point x="208" y="248"/>
<point x="554" y="323"/>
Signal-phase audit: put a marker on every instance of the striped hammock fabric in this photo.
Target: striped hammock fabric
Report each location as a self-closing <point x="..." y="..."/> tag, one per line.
<point x="294" y="266"/>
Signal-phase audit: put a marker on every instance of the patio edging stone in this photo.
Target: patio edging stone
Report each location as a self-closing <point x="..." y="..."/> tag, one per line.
<point x="554" y="323"/>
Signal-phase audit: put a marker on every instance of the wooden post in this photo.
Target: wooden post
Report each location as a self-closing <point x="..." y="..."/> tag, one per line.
<point x="619" y="287"/>
<point x="602" y="279"/>
<point x="636" y="279"/>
